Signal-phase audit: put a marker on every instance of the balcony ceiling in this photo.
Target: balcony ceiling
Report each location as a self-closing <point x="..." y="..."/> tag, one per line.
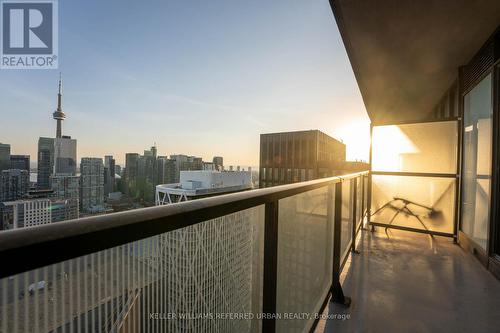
<point x="405" y="54"/>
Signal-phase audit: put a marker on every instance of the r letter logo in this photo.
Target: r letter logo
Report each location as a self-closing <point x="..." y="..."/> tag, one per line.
<point x="29" y="34"/>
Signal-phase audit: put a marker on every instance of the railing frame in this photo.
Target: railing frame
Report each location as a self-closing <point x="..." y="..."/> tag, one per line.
<point x="25" y="249"/>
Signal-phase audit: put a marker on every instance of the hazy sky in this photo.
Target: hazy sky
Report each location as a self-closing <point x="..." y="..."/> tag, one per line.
<point x="197" y="77"/>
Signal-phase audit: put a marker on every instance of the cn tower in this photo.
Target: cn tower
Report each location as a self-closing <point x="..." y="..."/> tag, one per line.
<point x="59" y="114"/>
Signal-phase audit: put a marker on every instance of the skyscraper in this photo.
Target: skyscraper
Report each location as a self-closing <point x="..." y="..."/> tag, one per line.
<point x="45" y="162"/>
<point x="131" y="165"/>
<point x="109" y="175"/>
<point x="4" y="156"/>
<point x="21" y="162"/>
<point x="150" y="165"/>
<point x="65" y="197"/>
<point x="165" y="169"/>
<point x="65" y="186"/>
<point x="291" y="157"/>
<point x="14" y="184"/>
<point x="186" y="163"/>
<point x="118" y="170"/>
<point x="91" y="185"/>
<point x="65" y="156"/>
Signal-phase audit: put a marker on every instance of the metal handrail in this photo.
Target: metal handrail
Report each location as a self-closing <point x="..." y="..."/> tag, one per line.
<point x="29" y="248"/>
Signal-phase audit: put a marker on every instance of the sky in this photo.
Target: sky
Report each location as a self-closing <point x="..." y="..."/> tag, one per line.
<point x="197" y="77"/>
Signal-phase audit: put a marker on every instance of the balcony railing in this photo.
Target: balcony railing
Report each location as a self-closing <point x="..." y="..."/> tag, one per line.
<point x="261" y="260"/>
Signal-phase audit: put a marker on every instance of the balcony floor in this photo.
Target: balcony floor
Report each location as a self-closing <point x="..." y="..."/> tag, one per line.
<point x="409" y="282"/>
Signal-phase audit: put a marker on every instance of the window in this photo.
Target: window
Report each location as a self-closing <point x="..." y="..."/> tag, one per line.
<point x="476" y="173"/>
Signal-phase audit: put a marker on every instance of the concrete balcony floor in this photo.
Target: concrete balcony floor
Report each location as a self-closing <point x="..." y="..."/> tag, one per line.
<point x="410" y="282"/>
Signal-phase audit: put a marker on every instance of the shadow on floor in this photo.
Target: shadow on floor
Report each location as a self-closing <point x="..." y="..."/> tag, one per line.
<point x="409" y="282"/>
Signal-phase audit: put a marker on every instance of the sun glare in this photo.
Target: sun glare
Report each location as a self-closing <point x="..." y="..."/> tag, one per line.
<point x="390" y="145"/>
<point x="356" y="136"/>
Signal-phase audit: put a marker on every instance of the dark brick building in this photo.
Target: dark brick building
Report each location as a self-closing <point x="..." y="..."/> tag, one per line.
<point x="291" y="157"/>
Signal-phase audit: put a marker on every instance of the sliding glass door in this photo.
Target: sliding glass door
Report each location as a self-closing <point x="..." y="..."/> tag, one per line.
<point x="477" y="160"/>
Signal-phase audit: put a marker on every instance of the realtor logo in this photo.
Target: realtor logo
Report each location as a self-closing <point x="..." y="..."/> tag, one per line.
<point x="29" y="34"/>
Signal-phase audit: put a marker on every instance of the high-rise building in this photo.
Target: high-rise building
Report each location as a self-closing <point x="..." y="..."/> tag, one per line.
<point x="109" y="175"/>
<point x="91" y="185"/>
<point x="291" y="157"/>
<point x="24" y="213"/>
<point x="45" y="162"/>
<point x="65" y="186"/>
<point x="165" y="169"/>
<point x="131" y="166"/>
<point x="65" y="196"/>
<point x="218" y="162"/>
<point x="14" y="184"/>
<point x="149" y="165"/>
<point x="21" y="162"/>
<point x="65" y="156"/>
<point x="186" y="163"/>
<point x="4" y="156"/>
<point x="118" y="170"/>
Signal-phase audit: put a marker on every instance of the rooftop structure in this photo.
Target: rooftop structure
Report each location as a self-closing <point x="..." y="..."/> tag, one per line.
<point x="199" y="184"/>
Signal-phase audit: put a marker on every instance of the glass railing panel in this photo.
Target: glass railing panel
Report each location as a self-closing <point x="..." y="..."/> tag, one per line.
<point x="187" y="280"/>
<point x="425" y="203"/>
<point x="421" y="147"/>
<point x="305" y="249"/>
<point x="347" y="217"/>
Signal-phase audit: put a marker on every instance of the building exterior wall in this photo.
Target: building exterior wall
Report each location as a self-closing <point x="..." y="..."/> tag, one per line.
<point x="65" y="156"/>
<point x="4" y="156"/>
<point x="45" y="162"/>
<point x="14" y="184"/>
<point x="65" y="197"/>
<point x="91" y="185"/>
<point x="291" y="157"/>
<point x="186" y="163"/>
<point x="63" y="210"/>
<point x="21" y="162"/>
<point x="131" y="165"/>
<point x="109" y="177"/>
<point x="166" y="170"/>
<point x="25" y="213"/>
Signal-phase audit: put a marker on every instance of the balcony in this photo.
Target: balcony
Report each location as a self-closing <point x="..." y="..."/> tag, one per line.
<point x="276" y="259"/>
<point x="411" y="245"/>
<point x="403" y="282"/>
<point x="235" y="262"/>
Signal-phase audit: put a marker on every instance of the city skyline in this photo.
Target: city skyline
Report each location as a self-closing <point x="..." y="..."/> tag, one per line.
<point x="297" y="78"/>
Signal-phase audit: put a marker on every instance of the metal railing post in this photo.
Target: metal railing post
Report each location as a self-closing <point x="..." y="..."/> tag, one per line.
<point x="369" y="192"/>
<point x="270" y="267"/>
<point x="336" y="289"/>
<point x="354" y="211"/>
<point x="363" y="199"/>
